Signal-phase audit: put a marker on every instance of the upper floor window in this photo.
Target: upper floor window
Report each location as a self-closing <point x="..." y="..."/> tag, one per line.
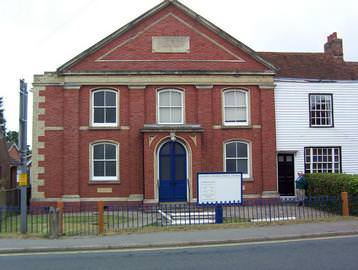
<point x="321" y="110"/>
<point x="104" y="108"/>
<point x="235" y="107"/>
<point x="170" y="107"/>
<point x="236" y="154"/>
<point x="322" y="159"/>
<point x="104" y="161"/>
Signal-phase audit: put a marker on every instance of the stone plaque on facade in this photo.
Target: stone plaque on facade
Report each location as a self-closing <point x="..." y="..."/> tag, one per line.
<point x="104" y="190"/>
<point x="171" y="44"/>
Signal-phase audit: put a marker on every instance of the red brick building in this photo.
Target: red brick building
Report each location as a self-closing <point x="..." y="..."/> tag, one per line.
<point x="9" y="160"/>
<point x="135" y="117"/>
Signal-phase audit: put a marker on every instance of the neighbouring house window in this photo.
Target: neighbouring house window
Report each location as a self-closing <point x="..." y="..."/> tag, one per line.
<point x="321" y="110"/>
<point x="105" y="162"/>
<point x="104" y="108"/>
<point x="322" y="159"/>
<point x="235" y="107"/>
<point x="170" y="107"/>
<point x="237" y="159"/>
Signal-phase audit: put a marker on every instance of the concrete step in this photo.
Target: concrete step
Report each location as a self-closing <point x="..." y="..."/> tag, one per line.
<point x="188" y="217"/>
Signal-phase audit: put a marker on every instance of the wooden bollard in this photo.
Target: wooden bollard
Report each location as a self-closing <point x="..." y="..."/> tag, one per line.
<point x="345" y="208"/>
<point x="60" y="207"/>
<point x="100" y="206"/>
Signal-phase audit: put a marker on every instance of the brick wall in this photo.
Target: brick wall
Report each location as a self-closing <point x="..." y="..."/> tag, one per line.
<point x="67" y="151"/>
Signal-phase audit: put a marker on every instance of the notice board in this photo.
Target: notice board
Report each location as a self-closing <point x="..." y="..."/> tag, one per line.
<point x="219" y="188"/>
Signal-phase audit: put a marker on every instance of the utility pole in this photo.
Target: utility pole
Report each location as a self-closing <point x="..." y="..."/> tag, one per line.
<point x="22" y="177"/>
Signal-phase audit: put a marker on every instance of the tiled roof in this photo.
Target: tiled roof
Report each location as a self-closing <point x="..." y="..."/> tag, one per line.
<point x="321" y="66"/>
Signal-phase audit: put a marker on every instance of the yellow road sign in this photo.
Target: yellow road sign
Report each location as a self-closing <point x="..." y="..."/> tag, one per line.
<point x="23" y="180"/>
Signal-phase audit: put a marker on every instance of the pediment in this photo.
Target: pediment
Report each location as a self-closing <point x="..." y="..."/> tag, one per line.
<point x="168" y="38"/>
<point x="157" y="43"/>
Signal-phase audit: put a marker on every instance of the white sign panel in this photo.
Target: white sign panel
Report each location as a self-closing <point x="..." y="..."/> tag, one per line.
<point x="219" y="188"/>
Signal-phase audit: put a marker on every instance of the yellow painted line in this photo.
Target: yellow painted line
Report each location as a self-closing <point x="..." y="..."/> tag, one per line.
<point x="125" y="250"/>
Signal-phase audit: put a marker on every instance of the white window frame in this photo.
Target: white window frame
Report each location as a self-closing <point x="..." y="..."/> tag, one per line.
<point x="92" y="160"/>
<point x="248" y="145"/>
<point x="181" y="107"/>
<point x="93" y="107"/>
<point x="224" y="106"/>
<point x="309" y="165"/>
<point x="313" y="97"/>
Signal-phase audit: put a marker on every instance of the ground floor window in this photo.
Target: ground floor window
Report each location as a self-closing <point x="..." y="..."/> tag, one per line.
<point x="323" y="160"/>
<point x="104" y="161"/>
<point x="236" y="154"/>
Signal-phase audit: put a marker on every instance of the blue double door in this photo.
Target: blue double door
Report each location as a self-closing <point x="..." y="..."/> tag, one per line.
<point x="172" y="172"/>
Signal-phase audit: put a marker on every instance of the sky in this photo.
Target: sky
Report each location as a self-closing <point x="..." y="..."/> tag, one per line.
<point x="41" y="35"/>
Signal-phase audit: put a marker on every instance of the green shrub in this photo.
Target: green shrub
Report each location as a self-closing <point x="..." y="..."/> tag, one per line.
<point x="331" y="184"/>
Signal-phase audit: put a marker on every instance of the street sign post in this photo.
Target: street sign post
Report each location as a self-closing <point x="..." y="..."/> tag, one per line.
<point x="22" y="179"/>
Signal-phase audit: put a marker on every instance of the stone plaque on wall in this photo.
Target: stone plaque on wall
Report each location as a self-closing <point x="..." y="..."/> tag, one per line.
<point x="104" y="190"/>
<point x="171" y="44"/>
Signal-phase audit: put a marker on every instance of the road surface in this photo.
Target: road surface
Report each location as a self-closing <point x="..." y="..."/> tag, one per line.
<point x="324" y="253"/>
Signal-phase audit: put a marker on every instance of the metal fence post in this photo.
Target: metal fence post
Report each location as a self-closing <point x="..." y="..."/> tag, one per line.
<point x="345" y="208"/>
<point x="100" y="206"/>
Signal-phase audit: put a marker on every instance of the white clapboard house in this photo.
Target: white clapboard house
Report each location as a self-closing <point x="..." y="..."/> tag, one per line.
<point x="316" y="99"/>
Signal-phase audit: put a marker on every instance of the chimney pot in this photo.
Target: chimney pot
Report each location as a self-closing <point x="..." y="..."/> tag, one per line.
<point x="332" y="36"/>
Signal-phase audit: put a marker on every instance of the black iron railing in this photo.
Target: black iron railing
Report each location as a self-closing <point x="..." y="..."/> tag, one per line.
<point x="90" y="219"/>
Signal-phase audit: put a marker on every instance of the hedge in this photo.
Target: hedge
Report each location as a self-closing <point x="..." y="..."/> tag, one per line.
<point x="331" y="184"/>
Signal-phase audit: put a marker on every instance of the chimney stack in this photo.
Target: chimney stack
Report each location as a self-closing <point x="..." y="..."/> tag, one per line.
<point x="334" y="46"/>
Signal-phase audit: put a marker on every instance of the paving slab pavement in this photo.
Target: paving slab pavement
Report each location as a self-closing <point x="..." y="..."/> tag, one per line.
<point x="182" y="238"/>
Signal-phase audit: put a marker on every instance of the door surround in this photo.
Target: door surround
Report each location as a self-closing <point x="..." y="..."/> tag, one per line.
<point x="187" y="148"/>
